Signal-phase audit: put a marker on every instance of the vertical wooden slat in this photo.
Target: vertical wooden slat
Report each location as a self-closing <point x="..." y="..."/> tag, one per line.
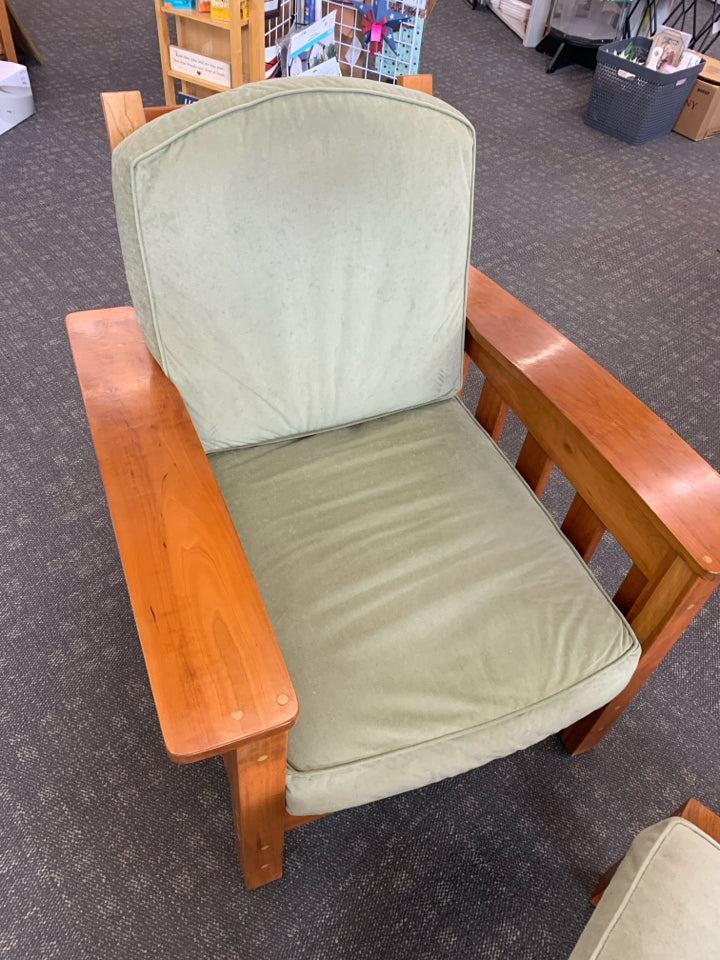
<point x="534" y="465"/>
<point x="466" y="368"/>
<point x="582" y="528"/>
<point x="630" y="589"/>
<point x="491" y="411"/>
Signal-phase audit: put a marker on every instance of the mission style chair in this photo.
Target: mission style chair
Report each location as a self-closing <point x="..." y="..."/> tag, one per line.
<point x="312" y="526"/>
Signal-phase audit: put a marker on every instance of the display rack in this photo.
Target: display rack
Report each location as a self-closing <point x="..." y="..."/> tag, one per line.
<point x="247" y="41"/>
<point x="238" y="42"/>
<point x="357" y="60"/>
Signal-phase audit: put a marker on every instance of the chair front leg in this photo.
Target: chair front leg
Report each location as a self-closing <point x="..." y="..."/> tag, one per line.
<point x="257" y="781"/>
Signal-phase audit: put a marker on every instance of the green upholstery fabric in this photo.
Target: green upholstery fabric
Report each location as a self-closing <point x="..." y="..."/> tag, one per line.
<point x="430" y="612"/>
<point x="286" y="287"/>
<point x="663" y="902"/>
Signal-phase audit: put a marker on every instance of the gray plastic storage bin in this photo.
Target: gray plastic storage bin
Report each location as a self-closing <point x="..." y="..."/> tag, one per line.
<point x="633" y="102"/>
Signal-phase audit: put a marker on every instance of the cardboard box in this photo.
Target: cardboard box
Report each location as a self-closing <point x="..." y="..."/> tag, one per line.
<point x="700" y="117"/>
<point x="16" y="99"/>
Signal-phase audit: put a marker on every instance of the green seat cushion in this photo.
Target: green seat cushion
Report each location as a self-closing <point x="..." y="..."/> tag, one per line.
<point x="430" y="612"/>
<point x="663" y="902"/>
<point x="297" y="252"/>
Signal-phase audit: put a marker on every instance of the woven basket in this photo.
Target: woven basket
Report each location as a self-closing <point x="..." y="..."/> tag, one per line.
<point x="633" y="102"/>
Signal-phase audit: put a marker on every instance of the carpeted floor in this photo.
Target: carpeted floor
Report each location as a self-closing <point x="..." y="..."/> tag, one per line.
<point x="111" y="851"/>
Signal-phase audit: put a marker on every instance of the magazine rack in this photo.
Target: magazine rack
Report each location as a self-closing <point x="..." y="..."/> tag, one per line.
<point x="246" y="43"/>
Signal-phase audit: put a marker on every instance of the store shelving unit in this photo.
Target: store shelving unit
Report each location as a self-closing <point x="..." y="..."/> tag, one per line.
<point x="7" y="46"/>
<point x="239" y="42"/>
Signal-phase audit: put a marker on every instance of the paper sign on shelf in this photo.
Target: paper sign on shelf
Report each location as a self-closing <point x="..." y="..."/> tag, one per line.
<point x="196" y="65"/>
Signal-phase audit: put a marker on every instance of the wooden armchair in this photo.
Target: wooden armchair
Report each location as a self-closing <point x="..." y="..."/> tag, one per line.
<point x="187" y="476"/>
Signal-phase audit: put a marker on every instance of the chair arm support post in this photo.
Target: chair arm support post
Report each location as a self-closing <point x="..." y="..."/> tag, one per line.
<point x="124" y="113"/>
<point x="664" y="610"/>
<point x="217" y="674"/>
<point x="256" y="771"/>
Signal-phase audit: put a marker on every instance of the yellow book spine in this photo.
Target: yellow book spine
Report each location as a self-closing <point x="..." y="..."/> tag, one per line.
<point x="220" y="9"/>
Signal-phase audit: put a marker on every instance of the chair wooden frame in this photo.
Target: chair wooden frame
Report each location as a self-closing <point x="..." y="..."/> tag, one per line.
<point x="218" y="677"/>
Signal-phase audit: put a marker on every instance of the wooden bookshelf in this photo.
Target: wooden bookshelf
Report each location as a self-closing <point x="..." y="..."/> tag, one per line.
<point x="7" y="46"/>
<point x="239" y="42"/>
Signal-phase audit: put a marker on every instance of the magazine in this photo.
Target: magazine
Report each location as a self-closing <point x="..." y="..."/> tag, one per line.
<point x="309" y="47"/>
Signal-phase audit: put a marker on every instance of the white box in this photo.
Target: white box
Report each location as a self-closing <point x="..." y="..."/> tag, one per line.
<point x="16" y="99"/>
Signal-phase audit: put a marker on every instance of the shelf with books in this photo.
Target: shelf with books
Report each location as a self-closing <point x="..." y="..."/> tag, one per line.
<point x="211" y="51"/>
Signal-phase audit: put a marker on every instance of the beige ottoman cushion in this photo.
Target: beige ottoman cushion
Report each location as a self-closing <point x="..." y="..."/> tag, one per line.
<point x="664" y="901"/>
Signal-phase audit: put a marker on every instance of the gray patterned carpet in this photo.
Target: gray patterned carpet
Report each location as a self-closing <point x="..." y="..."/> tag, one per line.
<point x="111" y="851"/>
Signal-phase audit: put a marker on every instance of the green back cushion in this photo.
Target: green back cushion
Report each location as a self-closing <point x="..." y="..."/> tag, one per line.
<point x="297" y="252"/>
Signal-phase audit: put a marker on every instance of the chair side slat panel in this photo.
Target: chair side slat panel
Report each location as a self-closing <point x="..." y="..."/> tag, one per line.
<point x="642" y="481"/>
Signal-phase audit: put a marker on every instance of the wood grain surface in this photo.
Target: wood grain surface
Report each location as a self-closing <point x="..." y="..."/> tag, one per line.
<point x="217" y="673"/>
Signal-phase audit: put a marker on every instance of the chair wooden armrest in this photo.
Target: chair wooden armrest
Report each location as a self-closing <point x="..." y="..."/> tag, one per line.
<point x="634" y="476"/>
<point x="217" y="674"/>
